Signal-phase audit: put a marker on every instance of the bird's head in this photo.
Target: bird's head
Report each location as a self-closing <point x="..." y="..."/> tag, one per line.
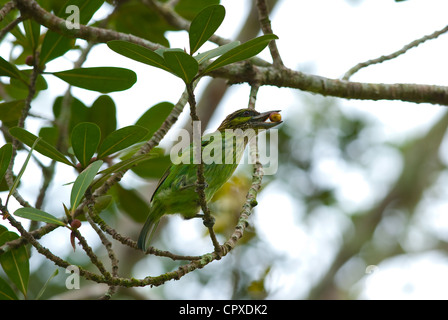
<point x="249" y="119"/>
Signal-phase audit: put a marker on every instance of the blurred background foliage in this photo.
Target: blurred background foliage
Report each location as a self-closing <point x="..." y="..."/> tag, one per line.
<point x="344" y="197"/>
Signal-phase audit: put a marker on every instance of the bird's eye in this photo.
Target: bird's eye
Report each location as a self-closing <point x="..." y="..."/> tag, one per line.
<point x="246" y="114"/>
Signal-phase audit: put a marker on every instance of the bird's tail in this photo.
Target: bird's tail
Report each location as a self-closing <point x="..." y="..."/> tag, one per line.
<point x="148" y="231"/>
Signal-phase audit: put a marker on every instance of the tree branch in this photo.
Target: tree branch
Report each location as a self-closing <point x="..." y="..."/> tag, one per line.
<point x="92" y="34"/>
<point x="262" y="72"/>
<point x="287" y="78"/>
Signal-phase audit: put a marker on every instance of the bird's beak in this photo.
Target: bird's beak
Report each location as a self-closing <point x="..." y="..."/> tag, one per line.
<point x="259" y="121"/>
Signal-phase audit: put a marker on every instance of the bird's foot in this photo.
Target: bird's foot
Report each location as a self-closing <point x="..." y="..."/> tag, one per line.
<point x="209" y="222"/>
<point x="202" y="186"/>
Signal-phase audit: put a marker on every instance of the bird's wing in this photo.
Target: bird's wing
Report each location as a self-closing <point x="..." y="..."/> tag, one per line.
<point x="185" y="175"/>
<point x="165" y="175"/>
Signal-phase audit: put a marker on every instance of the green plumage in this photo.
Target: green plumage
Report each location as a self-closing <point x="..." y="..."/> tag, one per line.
<point x="176" y="191"/>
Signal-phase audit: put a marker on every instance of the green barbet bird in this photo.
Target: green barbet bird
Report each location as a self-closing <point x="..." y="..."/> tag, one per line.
<point x="176" y="191"/>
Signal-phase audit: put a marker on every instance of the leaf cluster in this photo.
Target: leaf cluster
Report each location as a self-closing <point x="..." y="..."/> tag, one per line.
<point x="189" y="67"/>
<point x="86" y="138"/>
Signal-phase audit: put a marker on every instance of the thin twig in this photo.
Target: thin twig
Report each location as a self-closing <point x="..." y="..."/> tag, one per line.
<point x="93" y="258"/>
<point x="394" y="55"/>
<point x="48" y="254"/>
<point x="183" y="270"/>
<point x="251" y="200"/>
<point x="48" y="174"/>
<point x="11" y="26"/>
<point x="253" y="96"/>
<point x="31" y="90"/>
<point x="108" y="245"/>
<point x="201" y="183"/>
<point x="6" y="9"/>
<point x="265" y="23"/>
<point x="36" y="234"/>
<point x="132" y="244"/>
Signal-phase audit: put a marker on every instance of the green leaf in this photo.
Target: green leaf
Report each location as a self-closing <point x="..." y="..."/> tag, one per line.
<point x="49" y="134"/>
<point x="15" y="262"/>
<point x="153" y="168"/>
<point x="204" y="26"/>
<point x="138" y="53"/>
<point x="37" y="215"/>
<point x="87" y="9"/>
<point x="130" y="202"/>
<point x="6" y="292"/>
<point x="16" y="31"/>
<point x="54" y="274"/>
<point x="83" y="182"/>
<point x="104" y="114"/>
<point x="9" y="70"/>
<point x="23" y="82"/>
<point x="3" y="229"/>
<point x="160" y="51"/>
<point x="181" y="64"/>
<point x="189" y="9"/>
<point x="11" y="111"/>
<point x="85" y="139"/>
<point x="14" y="93"/>
<point x="207" y="55"/>
<point x="54" y="45"/>
<point x="79" y="112"/>
<point x="22" y="170"/>
<point x="130" y="17"/>
<point x="102" y="203"/>
<point x="242" y="52"/>
<point x="5" y="159"/>
<point x="32" y="30"/>
<point x="121" y="139"/>
<point x="102" y="79"/>
<point x="3" y="185"/>
<point x="153" y="118"/>
<point x="122" y="165"/>
<point x="42" y="146"/>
